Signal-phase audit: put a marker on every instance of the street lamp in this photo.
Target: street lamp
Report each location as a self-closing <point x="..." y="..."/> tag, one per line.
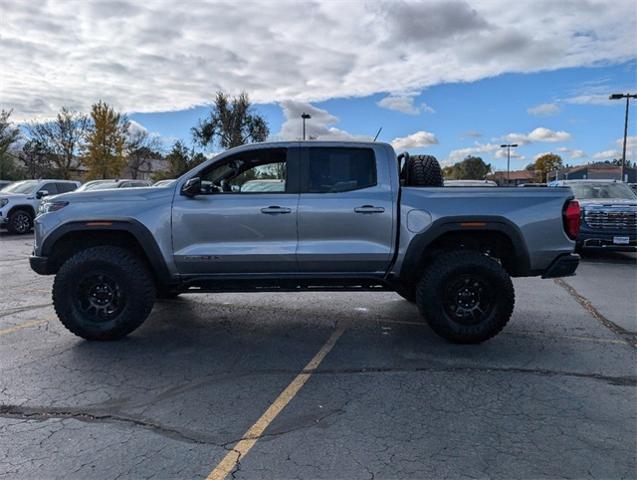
<point x="627" y="96"/>
<point x="508" y="146"/>
<point x="305" y="116"/>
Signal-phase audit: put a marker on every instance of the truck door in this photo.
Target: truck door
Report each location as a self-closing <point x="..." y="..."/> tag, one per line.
<point x="244" y="220"/>
<point x="346" y="210"/>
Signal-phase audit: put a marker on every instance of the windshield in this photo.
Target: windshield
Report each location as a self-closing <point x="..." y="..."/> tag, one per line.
<point x="92" y="185"/>
<point x="103" y="186"/>
<point x="26" y="186"/>
<point x="593" y="190"/>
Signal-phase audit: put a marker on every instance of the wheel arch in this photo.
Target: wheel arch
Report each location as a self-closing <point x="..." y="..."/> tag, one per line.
<point x="28" y="208"/>
<point x="72" y="237"/>
<point x="497" y="236"/>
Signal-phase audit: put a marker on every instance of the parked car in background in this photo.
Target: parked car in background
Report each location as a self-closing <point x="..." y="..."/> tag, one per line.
<point x="532" y="184"/>
<point x="343" y="216"/>
<point x="609" y="214"/>
<point x="470" y="183"/>
<point x="19" y="201"/>
<point x="164" y="183"/>
<point x="93" y="184"/>
<point x="121" y="184"/>
<point x="4" y="183"/>
<point x="264" y="185"/>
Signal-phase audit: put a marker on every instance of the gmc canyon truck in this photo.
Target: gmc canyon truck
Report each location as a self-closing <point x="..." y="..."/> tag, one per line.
<point x="337" y="216"/>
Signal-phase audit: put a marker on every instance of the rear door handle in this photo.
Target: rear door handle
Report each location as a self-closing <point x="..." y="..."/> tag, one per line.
<point x="274" y="209"/>
<point x="369" y="209"/>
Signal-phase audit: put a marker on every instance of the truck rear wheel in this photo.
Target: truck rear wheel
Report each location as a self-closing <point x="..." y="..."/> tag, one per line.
<point x="423" y="171"/>
<point x="465" y="296"/>
<point x="103" y="293"/>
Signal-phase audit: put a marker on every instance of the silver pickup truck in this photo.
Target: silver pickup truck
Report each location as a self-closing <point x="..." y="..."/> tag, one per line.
<point x="335" y="216"/>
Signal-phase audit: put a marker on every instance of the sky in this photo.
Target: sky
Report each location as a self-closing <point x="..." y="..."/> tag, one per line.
<point x="449" y="78"/>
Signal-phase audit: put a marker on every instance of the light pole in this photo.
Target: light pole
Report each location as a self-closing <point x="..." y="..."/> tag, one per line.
<point x="627" y="96"/>
<point x="508" y="146"/>
<point x="305" y="116"/>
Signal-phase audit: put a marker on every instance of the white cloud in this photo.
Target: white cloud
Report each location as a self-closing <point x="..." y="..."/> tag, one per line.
<point x="164" y="55"/>
<point x="415" y="140"/>
<point x="136" y="128"/>
<point x="572" y="153"/>
<point x="405" y="104"/>
<point x="607" y="155"/>
<point x="319" y="127"/>
<point x="502" y="153"/>
<point x="540" y="134"/>
<point x="544" y="109"/>
<point x="461" y="153"/>
<point x="631" y="142"/>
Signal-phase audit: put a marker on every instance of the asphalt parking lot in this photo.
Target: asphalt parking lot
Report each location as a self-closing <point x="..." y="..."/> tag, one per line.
<point x="322" y="385"/>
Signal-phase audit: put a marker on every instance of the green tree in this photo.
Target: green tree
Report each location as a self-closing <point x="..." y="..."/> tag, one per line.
<point x="231" y="123"/>
<point x="180" y="160"/>
<point x="141" y="150"/>
<point x="546" y="164"/>
<point x="36" y="159"/>
<point x="8" y="136"/>
<point x="105" y="142"/>
<point x="62" y="138"/>
<point x="471" y="168"/>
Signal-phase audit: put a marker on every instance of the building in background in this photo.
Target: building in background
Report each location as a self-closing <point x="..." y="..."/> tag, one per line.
<point x="596" y="171"/>
<point x="514" y="178"/>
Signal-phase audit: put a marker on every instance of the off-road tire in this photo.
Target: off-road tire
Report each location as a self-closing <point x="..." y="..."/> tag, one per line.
<point x="451" y="269"/>
<point x="423" y="171"/>
<point x="123" y="268"/>
<point x="20" y="222"/>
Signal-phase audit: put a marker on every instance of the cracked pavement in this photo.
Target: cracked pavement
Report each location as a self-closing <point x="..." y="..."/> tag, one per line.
<point x="553" y="396"/>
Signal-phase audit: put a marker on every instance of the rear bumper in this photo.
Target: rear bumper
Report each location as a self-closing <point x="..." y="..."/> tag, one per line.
<point x="562" y="266"/>
<point x="40" y="265"/>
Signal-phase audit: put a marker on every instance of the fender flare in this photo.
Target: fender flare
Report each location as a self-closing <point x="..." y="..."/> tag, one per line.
<point x="132" y="226"/>
<point x="466" y="224"/>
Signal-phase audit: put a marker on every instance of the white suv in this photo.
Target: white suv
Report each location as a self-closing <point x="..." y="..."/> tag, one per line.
<point x="19" y="201"/>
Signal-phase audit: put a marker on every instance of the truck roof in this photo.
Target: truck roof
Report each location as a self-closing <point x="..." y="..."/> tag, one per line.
<point x="310" y="143"/>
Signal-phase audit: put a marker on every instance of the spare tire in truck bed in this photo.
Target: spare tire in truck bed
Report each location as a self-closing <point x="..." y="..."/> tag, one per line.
<point x="422" y="171"/>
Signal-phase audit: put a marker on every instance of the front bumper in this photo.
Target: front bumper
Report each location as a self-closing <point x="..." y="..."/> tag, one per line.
<point x="605" y="241"/>
<point x="562" y="266"/>
<point x="40" y="265"/>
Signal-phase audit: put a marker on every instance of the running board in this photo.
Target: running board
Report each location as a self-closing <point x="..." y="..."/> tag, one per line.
<point x="218" y="285"/>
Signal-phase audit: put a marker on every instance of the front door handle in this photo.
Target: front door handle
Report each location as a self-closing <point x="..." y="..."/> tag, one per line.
<point x="369" y="209"/>
<point x="275" y="209"/>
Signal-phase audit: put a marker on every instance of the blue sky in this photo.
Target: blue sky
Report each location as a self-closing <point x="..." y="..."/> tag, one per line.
<point x="467" y="114"/>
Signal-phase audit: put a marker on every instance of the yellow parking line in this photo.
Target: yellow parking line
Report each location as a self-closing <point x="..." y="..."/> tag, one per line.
<point x="252" y="435"/>
<point x="15" y="328"/>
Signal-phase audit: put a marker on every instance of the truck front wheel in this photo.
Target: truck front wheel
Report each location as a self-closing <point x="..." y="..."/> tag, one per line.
<point x="20" y="222"/>
<point x="465" y="296"/>
<point x="103" y="293"/>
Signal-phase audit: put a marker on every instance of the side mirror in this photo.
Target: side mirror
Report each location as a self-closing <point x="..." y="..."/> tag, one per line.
<point x="41" y="193"/>
<point x="192" y="187"/>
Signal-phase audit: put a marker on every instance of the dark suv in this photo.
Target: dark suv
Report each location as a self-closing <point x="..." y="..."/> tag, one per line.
<point x="609" y="214"/>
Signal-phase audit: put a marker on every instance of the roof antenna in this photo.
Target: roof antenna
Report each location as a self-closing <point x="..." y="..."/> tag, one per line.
<point x="378" y="133"/>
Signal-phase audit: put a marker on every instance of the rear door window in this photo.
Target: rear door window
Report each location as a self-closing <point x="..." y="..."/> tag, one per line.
<point x="332" y="170"/>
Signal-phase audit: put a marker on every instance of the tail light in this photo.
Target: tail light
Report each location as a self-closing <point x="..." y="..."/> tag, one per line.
<point x="571" y="215"/>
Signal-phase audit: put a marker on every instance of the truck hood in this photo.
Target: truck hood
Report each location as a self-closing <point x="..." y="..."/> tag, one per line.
<point x="114" y="195"/>
<point x="15" y="196"/>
